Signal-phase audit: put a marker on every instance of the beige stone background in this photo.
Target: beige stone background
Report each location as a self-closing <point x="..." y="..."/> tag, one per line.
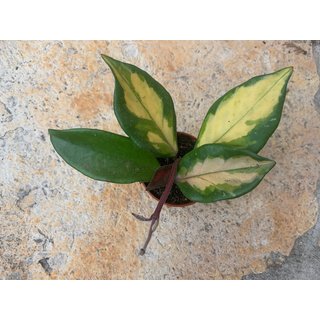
<point x="58" y="224"/>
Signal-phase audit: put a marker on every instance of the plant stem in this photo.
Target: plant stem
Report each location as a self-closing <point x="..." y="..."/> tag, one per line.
<point x="154" y="218"/>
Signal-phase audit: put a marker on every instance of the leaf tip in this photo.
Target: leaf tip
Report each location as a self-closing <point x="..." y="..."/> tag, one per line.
<point x="290" y="70"/>
<point x="52" y="132"/>
<point x="271" y="164"/>
<point x="287" y="71"/>
<point x="108" y="60"/>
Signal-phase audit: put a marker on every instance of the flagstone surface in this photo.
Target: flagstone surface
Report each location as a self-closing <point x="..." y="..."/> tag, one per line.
<point x="58" y="224"/>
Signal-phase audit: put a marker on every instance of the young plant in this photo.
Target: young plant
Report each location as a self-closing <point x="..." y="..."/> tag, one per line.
<point x="222" y="163"/>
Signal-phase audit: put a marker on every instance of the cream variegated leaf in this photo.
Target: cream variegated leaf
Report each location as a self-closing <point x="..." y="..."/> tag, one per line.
<point x="247" y="115"/>
<point x="144" y="109"/>
<point x="215" y="172"/>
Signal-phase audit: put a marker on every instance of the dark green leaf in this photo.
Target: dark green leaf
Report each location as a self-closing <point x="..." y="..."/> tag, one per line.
<point x="104" y="155"/>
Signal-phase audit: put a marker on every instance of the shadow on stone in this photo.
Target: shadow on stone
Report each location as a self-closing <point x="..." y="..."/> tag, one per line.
<point x="316" y="57"/>
<point x="303" y="261"/>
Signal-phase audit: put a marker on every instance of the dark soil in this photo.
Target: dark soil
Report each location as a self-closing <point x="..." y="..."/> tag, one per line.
<point x="185" y="144"/>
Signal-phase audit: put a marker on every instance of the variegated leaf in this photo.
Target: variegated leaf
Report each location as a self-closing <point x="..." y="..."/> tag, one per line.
<point x="216" y="172"/>
<point x="247" y="115"/>
<point x="144" y="109"/>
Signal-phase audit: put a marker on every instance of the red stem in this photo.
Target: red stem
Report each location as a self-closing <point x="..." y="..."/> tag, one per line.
<point x="156" y="214"/>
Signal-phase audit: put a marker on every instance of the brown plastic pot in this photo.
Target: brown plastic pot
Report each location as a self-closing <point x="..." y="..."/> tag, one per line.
<point x="168" y="204"/>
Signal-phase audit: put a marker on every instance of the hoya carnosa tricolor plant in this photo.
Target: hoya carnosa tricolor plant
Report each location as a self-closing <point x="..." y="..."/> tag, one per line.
<point x="223" y="163"/>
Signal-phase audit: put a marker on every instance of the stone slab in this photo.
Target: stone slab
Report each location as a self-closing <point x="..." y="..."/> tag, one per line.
<point x="58" y="224"/>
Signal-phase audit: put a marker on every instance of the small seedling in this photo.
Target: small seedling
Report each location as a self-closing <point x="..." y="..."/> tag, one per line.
<point x="222" y="163"/>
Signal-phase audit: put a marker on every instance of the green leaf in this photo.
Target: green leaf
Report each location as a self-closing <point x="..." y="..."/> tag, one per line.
<point x="104" y="155"/>
<point x="144" y="109"/>
<point x="247" y="115"/>
<point x="216" y="172"/>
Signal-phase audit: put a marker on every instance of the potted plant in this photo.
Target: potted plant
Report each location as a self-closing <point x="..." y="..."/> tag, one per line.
<point x="176" y="168"/>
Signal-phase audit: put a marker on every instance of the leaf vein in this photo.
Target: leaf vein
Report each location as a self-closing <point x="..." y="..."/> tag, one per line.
<point x="251" y="108"/>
